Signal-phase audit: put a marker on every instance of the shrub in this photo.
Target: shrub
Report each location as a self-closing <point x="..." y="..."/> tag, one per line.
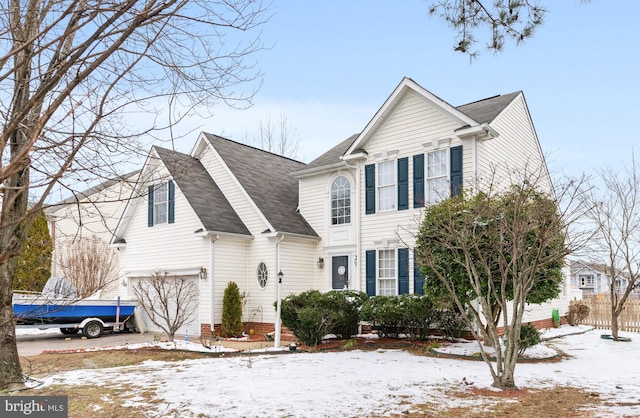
<point x="578" y="312"/>
<point x="385" y="315"/>
<point x="529" y="336"/>
<point x="232" y="311"/>
<point x="419" y="315"/>
<point x="450" y="323"/>
<point x="346" y="304"/>
<point x="311" y="315"/>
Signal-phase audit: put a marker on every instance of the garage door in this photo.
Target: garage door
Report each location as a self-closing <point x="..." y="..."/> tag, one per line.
<point x="166" y="293"/>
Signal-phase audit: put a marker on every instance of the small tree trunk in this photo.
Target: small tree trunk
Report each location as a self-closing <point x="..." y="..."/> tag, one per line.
<point x="614" y="321"/>
<point x="11" y="371"/>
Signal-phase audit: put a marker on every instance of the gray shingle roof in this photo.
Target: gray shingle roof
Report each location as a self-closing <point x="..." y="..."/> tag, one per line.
<point x="80" y="196"/>
<point x="333" y="155"/>
<point x="486" y="110"/>
<point x="267" y="179"/>
<point x="203" y="194"/>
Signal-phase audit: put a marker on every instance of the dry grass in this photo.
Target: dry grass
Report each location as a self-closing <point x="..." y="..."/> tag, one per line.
<point x="554" y="402"/>
<point x="99" y="401"/>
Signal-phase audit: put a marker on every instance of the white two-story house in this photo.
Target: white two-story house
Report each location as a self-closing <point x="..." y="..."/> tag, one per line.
<point x="347" y="220"/>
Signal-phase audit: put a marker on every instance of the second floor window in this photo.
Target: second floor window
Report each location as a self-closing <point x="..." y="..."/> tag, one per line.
<point x="341" y="201"/>
<point x="161" y="204"/>
<point x="386" y="185"/>
<point x="437" y="176"/>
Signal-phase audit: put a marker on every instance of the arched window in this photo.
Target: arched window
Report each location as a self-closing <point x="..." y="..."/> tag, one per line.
<point x="263" y="275"/>
<point x="340" y="201"/>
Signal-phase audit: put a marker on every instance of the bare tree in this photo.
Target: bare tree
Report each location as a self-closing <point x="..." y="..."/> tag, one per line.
<point x="615" y="212"/>
<point x="170" y="301"/>
<point x="279" y="138"/>
<point x="90" y="265"/>
<point x="503" y="20"/>
<point x="489" y="249"/>
<point x="73" y="75"/>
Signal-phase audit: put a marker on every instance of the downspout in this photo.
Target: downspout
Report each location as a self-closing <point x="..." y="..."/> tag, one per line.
<point x="211" y="283"/>
<point x="278" y="325"/>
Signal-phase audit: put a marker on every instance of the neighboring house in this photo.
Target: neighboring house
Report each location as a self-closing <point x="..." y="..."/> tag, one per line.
<point x="347" y="220"/>
<point x="88" y="219"/>
<point x="594" y="279"/>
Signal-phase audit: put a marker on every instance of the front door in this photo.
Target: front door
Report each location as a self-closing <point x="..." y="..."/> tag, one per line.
<point x="340" y="272"/>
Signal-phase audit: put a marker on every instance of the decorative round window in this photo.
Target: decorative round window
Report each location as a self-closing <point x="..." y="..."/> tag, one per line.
<point x="263" y="275"/>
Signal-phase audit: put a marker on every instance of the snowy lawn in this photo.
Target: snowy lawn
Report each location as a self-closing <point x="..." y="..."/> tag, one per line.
<point x="364" y="383"/>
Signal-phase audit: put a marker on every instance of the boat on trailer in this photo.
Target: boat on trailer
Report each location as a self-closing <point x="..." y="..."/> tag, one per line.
<point x="60" y="308"/>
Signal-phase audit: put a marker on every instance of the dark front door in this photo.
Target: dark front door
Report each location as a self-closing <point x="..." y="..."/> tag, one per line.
<point x="340" y="272"/>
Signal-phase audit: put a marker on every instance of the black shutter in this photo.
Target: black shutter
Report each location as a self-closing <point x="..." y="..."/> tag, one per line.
<point x="403" y="271"/>
<point x="403" y="183"/>
<point x="171" y="204"/>
<point x="418" y="280"/>
<point x="150" y="207"/>
<point x="418" y="181"/>
<point x="371" y="272"/>
<point x="370" y="188"/>
<point x="455" y="174"/>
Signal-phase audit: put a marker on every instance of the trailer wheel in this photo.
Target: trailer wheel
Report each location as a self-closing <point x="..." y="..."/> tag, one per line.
<point x="69" y="331"/>
<point x="93" y="329"/>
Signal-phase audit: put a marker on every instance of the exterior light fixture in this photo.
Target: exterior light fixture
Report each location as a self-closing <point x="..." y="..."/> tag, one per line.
<point x="320" y="263"/>
<point x="203" y="273"/>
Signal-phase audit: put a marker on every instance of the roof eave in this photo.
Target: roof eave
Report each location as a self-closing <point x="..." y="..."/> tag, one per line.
<point x="319" y="170"/>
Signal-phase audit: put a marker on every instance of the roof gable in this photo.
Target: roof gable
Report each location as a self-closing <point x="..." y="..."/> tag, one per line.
<point x="472" y="114"/>
<point x="203" y="194"/>
<point x="268" y="181"/>
<point x="398" y="94"/>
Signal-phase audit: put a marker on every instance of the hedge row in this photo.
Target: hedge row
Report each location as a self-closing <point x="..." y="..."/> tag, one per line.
<point x="311" y="315"/>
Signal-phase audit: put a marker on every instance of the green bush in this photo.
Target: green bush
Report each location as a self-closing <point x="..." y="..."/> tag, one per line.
<point x="529" y="336"/>
<point x="419" y="315"/>
<point x="385" y="315"/>
<point x="232" y="311"/>
<point x="347" y="305"/>
<point x="450" y="323"/>
<point x="311" y="315"/>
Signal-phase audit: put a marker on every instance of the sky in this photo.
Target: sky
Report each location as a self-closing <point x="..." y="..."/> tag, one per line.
<point x="329" y="66"/>
<point x="366" y="383"/>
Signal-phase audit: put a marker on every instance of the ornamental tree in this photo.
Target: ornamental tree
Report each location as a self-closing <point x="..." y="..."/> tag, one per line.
<point x="494" y="252"/>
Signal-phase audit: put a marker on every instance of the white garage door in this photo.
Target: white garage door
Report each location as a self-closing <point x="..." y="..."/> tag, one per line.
<point x="166" y="293"/>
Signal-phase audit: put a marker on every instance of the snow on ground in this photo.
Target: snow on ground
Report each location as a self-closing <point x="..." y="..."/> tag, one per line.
<point x="359" y="383"/>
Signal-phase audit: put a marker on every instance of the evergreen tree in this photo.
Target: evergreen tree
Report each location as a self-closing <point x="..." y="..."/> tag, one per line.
<point x="34" y="261"/>
<point x="232" y="311"/>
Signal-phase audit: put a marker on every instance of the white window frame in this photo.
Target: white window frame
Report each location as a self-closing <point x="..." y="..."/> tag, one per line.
<point x="430" y="179"/>
<point x="262" y="274"/>
<point x="587" y="280"/>
<point x="391" y="203"/>
<point x="383" y="273"/>
<point x="161" y="203"/>
<point x="345" y="217"/>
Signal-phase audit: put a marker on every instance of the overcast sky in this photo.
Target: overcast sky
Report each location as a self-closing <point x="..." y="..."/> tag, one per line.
<point x="332" y="64"/>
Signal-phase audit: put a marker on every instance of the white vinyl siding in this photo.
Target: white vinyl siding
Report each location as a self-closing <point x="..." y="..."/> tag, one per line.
<point x="386" y="185"/>
<point x="413" y="123"/>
